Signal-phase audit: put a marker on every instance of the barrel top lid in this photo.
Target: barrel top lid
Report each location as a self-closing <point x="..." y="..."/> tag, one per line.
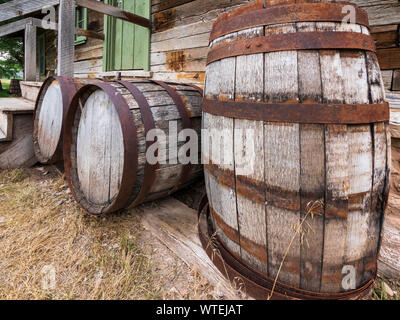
<point x="255" y="15"/>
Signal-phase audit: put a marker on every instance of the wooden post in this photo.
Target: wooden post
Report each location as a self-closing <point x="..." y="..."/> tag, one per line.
<point x="66" y="38"/>
<point x="30" y="52"/>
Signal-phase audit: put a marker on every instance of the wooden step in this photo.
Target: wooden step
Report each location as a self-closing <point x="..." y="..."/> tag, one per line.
<point x="16" y="128"/>
<point x="394" y="99"/>
<point x="30" y="90"/>
<point x="8" y="108"/>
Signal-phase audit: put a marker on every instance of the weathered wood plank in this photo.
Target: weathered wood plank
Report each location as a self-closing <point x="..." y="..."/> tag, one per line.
<point x="223" y="198"/>
<point x="183" y="77"/>
<point x="9" y="107"/>
<point x="158" y="5"/>
<point x="116" y="154"/>
<point x="249" y="156"/>
<point x="396" y="80"/>
<point x="114" y="12"/>
<point x="18" y="8"/>
<point x="378" y="184"/>
<point x="30" y="53"/>
<point x="383" y="13"/>
<point x="13" y="27"/>
<point x="387" y="76"/>
<point x="337" y="185"/>
<point x="387" y="39"/>
<point x="356" y="90"/>
<point x="89" y="34"/>
<point x="376" y="83"/>
<point x="175" y="225"/>
<point x="190" y="60"/>
<point x="192" y="12"/>
<point x="82" y="158"/>
<point x="336" y="171"/>
<point x="282" y="163"/>
<point x="389" y="262"/>
<point x="380" y="161"/>
<point x="193" y="41"/>
<point x="389" y="58"/>
<point x="223" y="148"/>
<point x="312" y="178"/>
<point x="30" y="90"/>
<point x="93" y="66"/>
<point x="50" y="120"/>
<point x="19" y="152"/>
<point x="89" y="53"/>
<point x="182" y="31"/>
<point x="66" y="38"/>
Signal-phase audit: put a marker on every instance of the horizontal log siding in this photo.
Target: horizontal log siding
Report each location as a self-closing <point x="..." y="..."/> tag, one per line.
<point x="181" y="30"/>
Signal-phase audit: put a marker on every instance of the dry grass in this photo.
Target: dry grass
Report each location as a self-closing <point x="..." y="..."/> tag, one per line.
<point x="93" y="258"/>
<point x="113" y="257"/>
<point x="380" y="292"/>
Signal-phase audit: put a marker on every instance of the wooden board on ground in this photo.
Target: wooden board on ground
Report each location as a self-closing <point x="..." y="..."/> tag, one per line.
<point x="395" y="123"/>
<point x="175" y="225"/>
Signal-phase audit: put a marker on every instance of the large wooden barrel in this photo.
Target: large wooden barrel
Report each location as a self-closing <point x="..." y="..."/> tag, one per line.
<point x="105" y="147"/>
<point x="52" y="105"/>
<point x="307" y="184"/>
<point x="15" y="87"/>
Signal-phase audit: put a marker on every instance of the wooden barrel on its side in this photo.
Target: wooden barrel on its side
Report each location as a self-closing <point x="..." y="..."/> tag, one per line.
<point x="105" y="147"/>
<point x="302" y="200"/>
<point x="15" y="87"/>
<point x="52" y="105"/>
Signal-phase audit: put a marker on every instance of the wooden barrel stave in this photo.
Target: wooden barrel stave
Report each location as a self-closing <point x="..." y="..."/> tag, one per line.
<point x="49" y="132"/>
<point x="313" y="261"/>
<point x="96" y="196"/>
<point x="51" y="107"/>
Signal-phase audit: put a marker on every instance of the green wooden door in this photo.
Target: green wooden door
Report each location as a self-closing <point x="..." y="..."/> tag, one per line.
<point x="127" y="46"/>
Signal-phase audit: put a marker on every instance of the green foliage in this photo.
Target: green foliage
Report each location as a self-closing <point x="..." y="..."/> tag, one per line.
<point x="11" y="54"/>
<point x="11" y="57"/>
<point x="5" y="93"/>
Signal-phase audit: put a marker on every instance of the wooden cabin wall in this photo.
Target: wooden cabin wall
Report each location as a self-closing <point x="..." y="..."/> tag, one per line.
<point x="387" y="39"/>
<point x="384" y="18"/>
<point x="89" y="56"/>
<point x="180" y="36"/>
<point x="181" y="30"/>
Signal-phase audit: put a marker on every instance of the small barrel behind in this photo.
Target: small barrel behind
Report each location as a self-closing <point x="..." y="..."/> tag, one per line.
<point x="15" y="87"/>
<point x="105" y="142"/>
<point x="51" y="106"/>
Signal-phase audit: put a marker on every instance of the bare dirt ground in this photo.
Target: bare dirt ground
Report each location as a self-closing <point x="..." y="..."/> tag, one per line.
<point x="50" y="249"/>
